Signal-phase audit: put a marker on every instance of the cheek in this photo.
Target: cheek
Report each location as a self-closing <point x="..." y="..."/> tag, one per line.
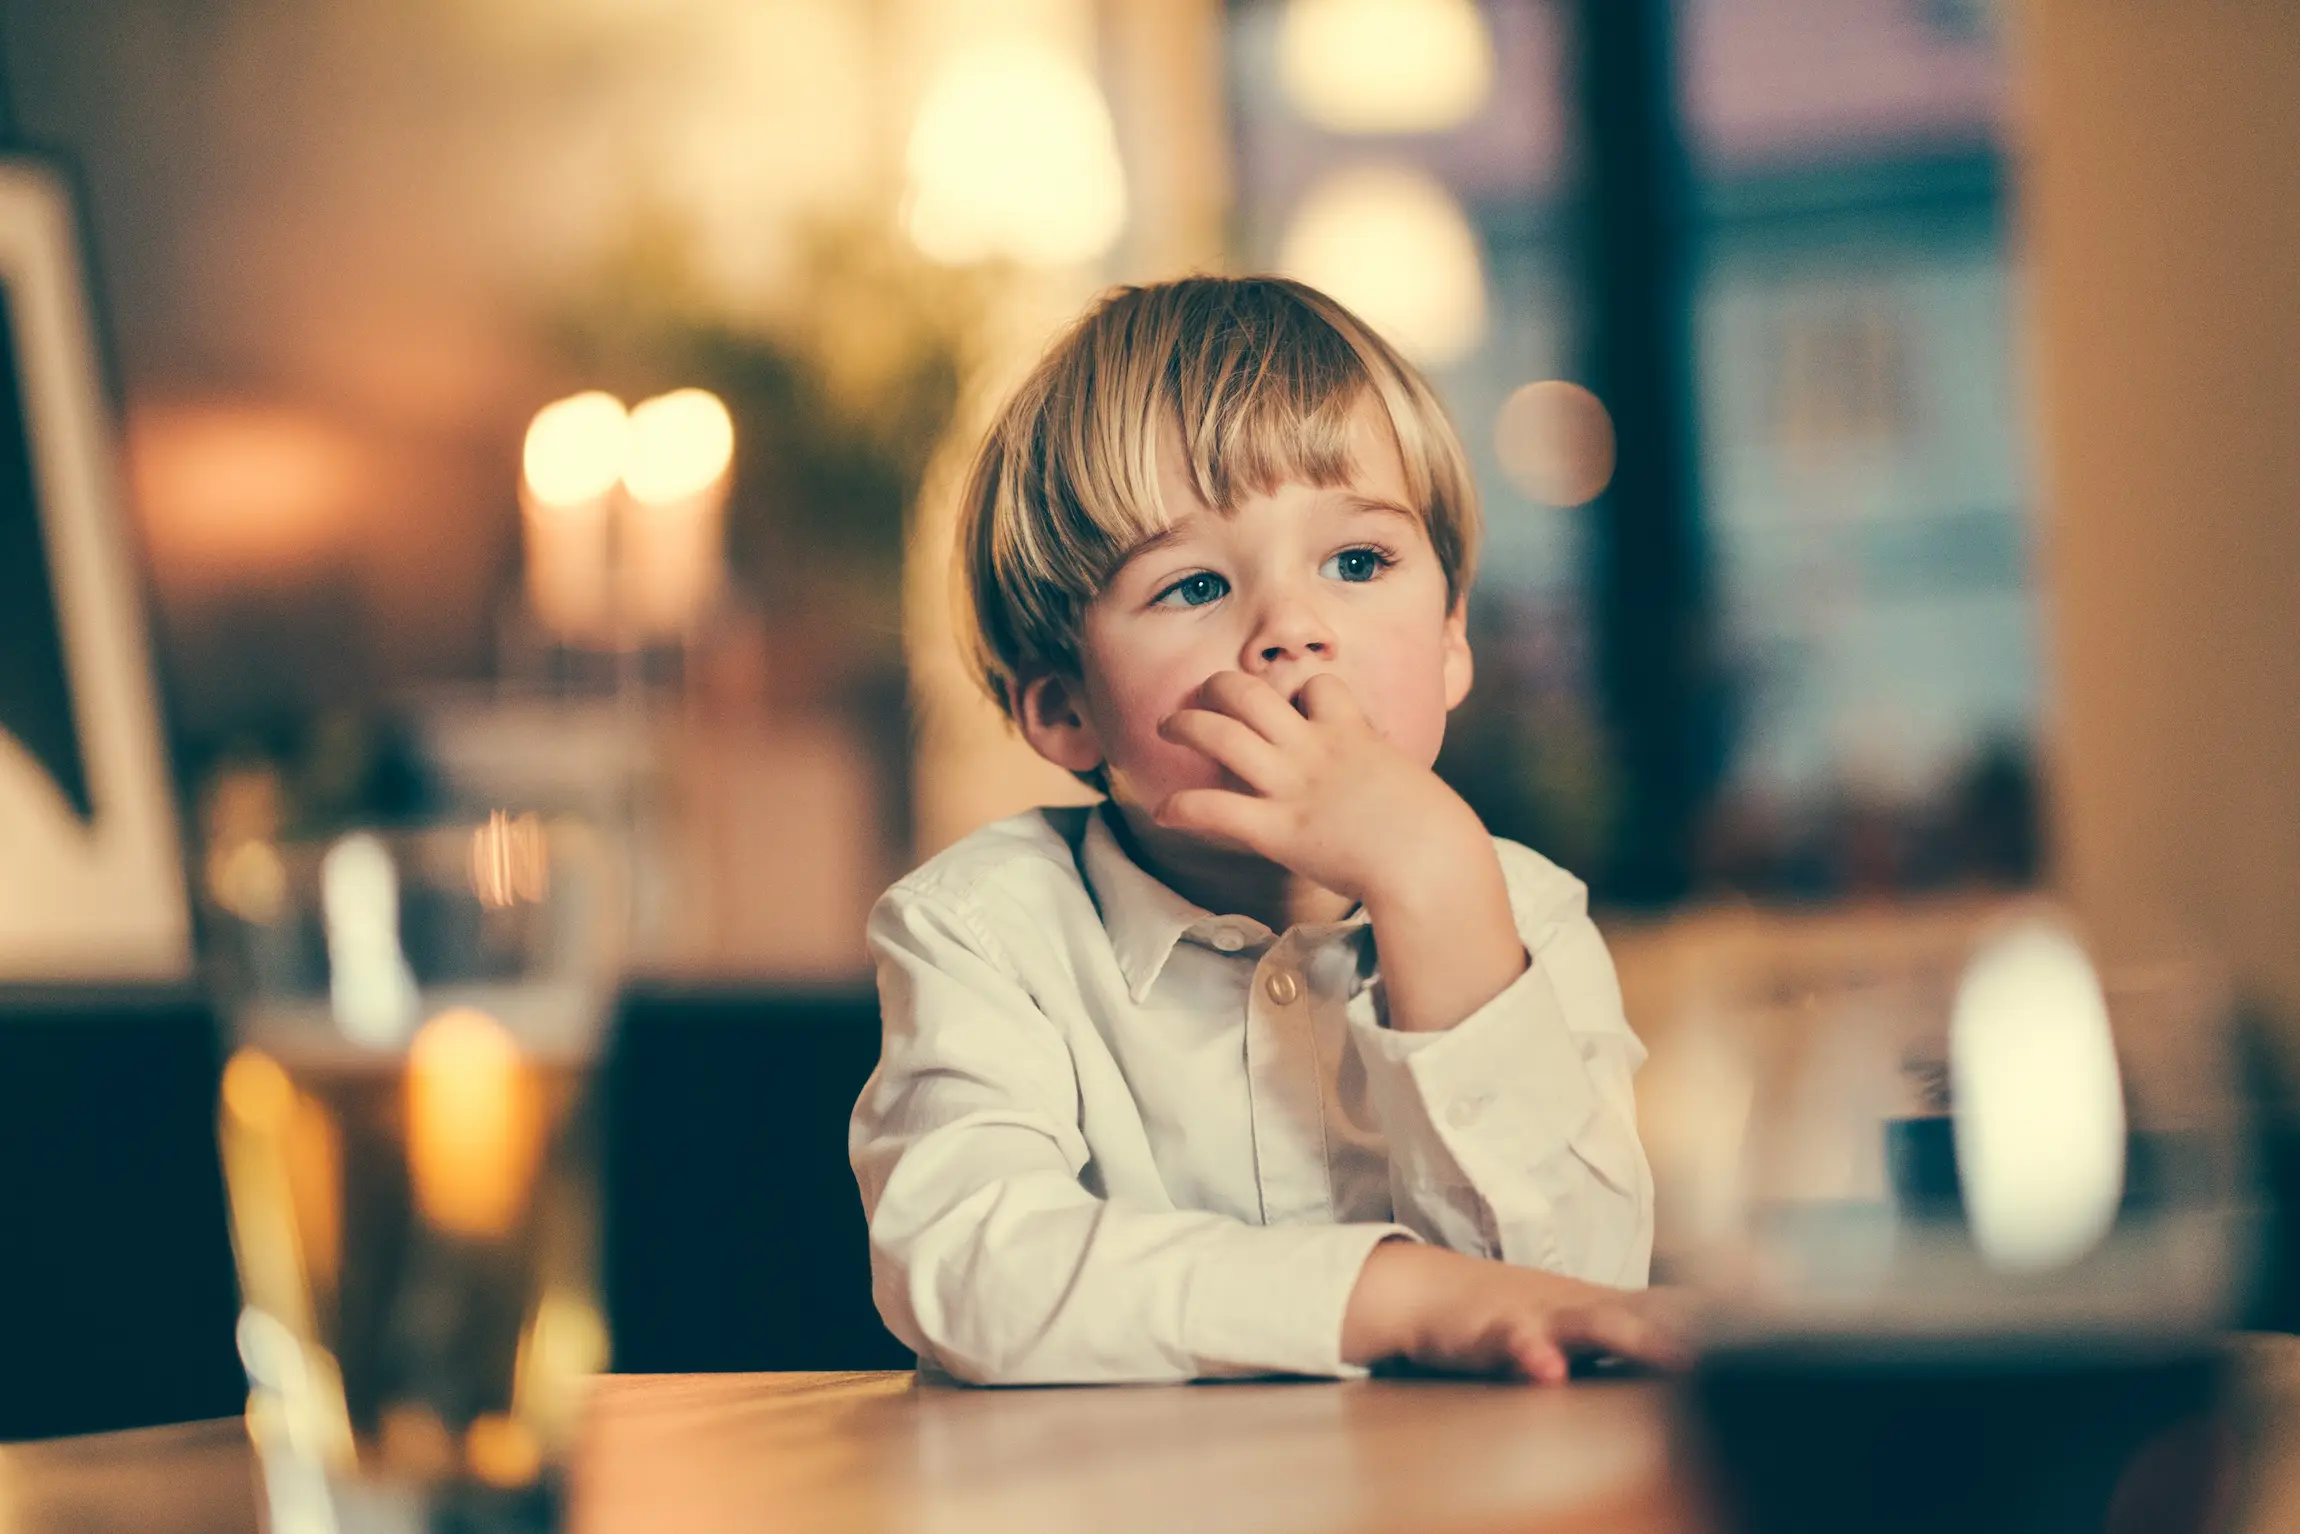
<point x="1128" y="702"/>
<point x="1400" y="683"/>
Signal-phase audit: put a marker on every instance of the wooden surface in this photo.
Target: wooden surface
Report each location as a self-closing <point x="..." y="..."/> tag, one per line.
<point x="870" y="1452"/>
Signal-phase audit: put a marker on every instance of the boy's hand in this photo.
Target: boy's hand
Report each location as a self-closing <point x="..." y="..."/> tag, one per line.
<point x="1469" y="1315"/>
<point x="1331" y="799"/>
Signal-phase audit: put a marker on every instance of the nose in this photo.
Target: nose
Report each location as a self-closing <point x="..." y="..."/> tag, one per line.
<point x="1289" y="633"/>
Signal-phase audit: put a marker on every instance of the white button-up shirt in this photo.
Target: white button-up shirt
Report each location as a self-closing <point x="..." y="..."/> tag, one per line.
<point x="1113" y="1136"/>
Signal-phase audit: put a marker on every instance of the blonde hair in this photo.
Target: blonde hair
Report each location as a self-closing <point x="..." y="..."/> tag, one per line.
<point x="1260" y="374"/>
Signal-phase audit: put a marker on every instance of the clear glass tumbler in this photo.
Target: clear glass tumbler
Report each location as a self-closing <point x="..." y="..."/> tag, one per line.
<point x="408" y="1140"/>
<point x="1970" y="1242"/>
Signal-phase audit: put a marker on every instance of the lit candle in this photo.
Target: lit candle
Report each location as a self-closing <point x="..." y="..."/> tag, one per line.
<point x="474" y="1124"/>
<point x="575" y="455"/>
<point x="681" y="447"/>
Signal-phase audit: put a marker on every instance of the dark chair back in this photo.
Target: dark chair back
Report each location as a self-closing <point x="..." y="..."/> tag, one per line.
<point x="735" y="1236"/>
<point x="116" y="1293"/>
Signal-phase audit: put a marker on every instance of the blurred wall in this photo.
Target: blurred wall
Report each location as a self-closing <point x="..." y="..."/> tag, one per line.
<point x="2162" y="211"/>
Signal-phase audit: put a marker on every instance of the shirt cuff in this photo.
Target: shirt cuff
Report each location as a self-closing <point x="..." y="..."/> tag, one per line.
<point x="1274" y="1304"/>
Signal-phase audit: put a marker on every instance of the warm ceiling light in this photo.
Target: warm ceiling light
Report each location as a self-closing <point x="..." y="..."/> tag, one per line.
<point x="1385" y="66"/>
<point x="1013" y="156"/>
<point x="1395" y="248"/>
<point x="576" y="449"/>
<point x="681" y="443"/>
<point x="1555" y="442"/>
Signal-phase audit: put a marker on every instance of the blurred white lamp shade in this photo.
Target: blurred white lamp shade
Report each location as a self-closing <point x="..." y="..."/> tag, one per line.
<point x="2039" y="1101"/>
<point x="575" y="454"/>
<point x="1013" y="156"/>
<point x="682" y="446"/>
<point x="1385" y="66"/>
<point x="1392" y="246"/>
<point x="576" y="449"/>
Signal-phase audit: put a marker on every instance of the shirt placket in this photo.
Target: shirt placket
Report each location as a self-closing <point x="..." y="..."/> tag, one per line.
<point x="1284" y="1087"/>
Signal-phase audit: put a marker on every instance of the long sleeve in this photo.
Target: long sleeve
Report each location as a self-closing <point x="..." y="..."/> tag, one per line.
<point x="992" y="1255"/>
<point x="1514" y="1133"/>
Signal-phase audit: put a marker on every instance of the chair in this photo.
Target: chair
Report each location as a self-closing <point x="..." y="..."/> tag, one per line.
<point x="735" y="1238"/>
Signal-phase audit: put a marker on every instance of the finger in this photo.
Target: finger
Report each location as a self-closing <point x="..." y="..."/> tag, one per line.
<point x="1241" y="820"/>
<point x="1623" y="1330"/>
<point x="1253" y="701"/>
<point x="1533" y="1356"/>
<point x="1232" y="743"/>
<point x="1327" y="699"/>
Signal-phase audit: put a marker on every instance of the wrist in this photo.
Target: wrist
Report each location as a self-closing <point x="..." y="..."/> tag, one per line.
<point x="1448" y="946"/>
<point x="1397" y="1290"/>
<point x="1433" y="865"/>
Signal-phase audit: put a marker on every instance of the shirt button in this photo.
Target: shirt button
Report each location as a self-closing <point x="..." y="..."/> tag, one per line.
<point x="1465" y="1111"/>
<point x="1228" y="939"/>
<point x="1281" y="987"/>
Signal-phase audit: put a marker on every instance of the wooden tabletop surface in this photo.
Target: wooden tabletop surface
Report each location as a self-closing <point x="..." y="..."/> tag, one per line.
<point x="871" y="1452"/>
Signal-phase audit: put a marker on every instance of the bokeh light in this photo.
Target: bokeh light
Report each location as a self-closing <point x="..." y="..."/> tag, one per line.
<point x="1555" y="442"/>
<point x="1385" y="66"/>
<point x="680" y="443"/>
<point x="1393" y="246"/>
<point x="1013" y="155"/>
<point x="370" y="988"/>
<point x="510" y="860"/>
<point x="2039" y="1101"/>
<point x="576" y="449"/>
<point x="474" y="1124"/>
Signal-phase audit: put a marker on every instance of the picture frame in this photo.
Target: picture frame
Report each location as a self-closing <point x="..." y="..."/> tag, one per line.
<point x="92" y="878"/>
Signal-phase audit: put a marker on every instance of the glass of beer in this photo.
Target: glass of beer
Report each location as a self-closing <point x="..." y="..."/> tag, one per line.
<point x="407" y="1135"/>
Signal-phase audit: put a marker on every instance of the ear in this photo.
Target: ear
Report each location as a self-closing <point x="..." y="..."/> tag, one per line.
<point x="1459" y="670"/>
<point x="1051" y="713"/>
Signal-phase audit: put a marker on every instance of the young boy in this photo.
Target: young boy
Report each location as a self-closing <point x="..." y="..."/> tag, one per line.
<point x="1261" y="1064"/>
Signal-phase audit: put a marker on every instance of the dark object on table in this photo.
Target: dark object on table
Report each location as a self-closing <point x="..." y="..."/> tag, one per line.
<point x="1829" y="1436"/>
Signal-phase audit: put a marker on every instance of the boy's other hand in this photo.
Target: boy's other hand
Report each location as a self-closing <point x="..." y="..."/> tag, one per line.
<point x="1326" y="795"/>
<point x="1468" y="1315"/>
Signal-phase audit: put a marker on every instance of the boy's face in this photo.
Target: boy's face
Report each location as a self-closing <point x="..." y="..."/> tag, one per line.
<point x="1289" y="585"/>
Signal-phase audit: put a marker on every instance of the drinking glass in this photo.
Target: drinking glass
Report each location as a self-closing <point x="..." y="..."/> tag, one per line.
<point x="1971" y="1235"/>
<point x="407" y="1134"/>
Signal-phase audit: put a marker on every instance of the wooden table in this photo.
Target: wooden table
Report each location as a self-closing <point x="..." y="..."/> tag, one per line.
<point x="700" y="1454"/>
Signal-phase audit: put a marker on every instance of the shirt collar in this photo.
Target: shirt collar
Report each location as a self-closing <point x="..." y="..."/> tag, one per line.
<point x="1145" y="919"/>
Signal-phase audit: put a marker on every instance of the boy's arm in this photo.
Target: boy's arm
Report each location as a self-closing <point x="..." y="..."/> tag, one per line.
<point x="992" y="1258"/>
<point x="1514" y="1133"/>
<point x="1500" y="1062"/>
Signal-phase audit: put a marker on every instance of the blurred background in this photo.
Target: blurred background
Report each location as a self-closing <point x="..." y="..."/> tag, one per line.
<point x="1721" y="300"/>
<point x="1880" y="408"/>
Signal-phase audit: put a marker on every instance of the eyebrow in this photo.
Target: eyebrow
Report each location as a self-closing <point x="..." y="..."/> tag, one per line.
<point x="1355" y="502"/>
<point x="1156" y="541"/>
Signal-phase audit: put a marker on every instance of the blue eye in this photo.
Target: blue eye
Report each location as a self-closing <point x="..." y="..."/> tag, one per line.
<point x="1193" y="591"/>
<point x="1355" y="565"/>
